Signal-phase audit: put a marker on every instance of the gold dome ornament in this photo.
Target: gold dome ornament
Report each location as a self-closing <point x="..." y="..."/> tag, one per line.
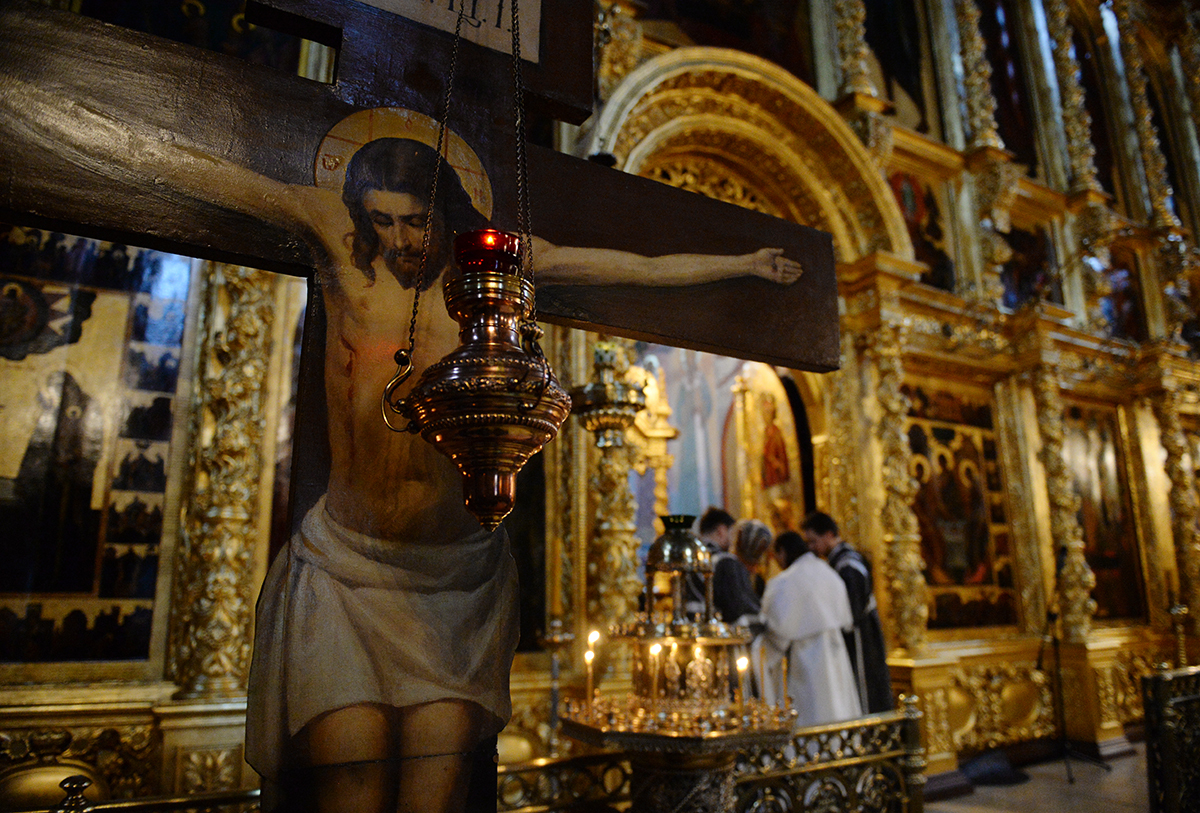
<point x="494" y="402"/>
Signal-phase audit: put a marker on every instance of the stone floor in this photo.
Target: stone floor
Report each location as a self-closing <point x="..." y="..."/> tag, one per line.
<point x="1121" y="790"/>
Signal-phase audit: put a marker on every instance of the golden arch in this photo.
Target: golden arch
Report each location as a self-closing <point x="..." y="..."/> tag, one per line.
<point x="742" y="129"/>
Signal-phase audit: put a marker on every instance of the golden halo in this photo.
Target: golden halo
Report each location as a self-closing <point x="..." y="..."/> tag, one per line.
<point x="352" y="132"/>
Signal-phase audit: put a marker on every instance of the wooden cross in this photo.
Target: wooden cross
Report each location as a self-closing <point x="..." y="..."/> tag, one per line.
<point x="110" y="133"/>
<point x="273" y="124"/>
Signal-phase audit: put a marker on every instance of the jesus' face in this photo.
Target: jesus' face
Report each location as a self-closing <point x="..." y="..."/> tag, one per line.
<point x="398" y="219"/>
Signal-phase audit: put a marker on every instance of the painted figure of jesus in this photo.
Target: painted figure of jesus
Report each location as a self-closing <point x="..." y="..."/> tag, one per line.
<point x="387" y="626"/>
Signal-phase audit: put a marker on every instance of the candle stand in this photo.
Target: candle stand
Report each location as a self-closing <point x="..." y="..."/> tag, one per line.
<point x="689" y="712"/>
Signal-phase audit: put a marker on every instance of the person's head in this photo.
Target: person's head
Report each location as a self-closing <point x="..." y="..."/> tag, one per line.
<point x="750" y="539"/>
<point x="386" y="193"/>
<point x="716" y="527"/>
<point x="789" y="546"/>
<point x="820" y="532"/>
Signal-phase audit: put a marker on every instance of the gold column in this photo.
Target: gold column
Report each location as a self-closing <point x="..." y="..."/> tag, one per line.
<point x="996" y="177"/>
<point x="607" y="406"/>
<point x="212" y="598"/>
<point x="1076" y="606"/>
<point x="838" y="493"/>
<point x="1182" y="495"/>
<point x="1077" y="122"/>
<point x="852" y="48"/>
<point x="1153" y="161"/>
<point x="977" y="77"/>
<point x="901" y="536"/>
<point x="741" y="393"/>
<point x="652" y="431"/>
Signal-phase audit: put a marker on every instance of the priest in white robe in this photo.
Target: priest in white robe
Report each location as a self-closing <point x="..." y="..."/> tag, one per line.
<point x="806" y="610"/>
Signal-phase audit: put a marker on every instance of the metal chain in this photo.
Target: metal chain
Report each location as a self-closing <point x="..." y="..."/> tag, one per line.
<point x="437" y="171"/>
<point x="404" y="356"/>
<point x="524" y="224"/>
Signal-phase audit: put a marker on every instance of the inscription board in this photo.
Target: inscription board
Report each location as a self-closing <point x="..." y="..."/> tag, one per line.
<point x="485" y="22"/>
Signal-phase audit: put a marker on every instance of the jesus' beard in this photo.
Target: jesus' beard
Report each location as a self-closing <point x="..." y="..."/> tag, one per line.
<point x="405" y="266"/>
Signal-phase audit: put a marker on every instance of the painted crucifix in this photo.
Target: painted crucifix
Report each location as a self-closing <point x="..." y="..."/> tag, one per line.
<point x="386" y="629"/>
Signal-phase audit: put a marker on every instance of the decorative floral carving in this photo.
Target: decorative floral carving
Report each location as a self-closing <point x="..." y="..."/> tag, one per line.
<point x="997" y="183"/>
<point x="612" y="581"/>
<point x="1076" y="578"/>
<point x="211" y="606"/>
<point x="936" y="704"/>
<point x="843" y="416"/>
<point x="989" y="686"/>
<point x="695" y="174"/>
<point x="209" y="770"/>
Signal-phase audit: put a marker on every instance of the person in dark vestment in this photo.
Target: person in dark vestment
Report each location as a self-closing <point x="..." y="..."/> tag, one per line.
<point x="868" y="652"/>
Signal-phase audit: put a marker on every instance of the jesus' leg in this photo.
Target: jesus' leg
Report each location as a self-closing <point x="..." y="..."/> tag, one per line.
<point x="435" y="741"/>
<point x="349" y="752"/>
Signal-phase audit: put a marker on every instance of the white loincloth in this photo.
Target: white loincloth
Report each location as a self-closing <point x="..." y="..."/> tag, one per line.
<point x="346" y="619"/>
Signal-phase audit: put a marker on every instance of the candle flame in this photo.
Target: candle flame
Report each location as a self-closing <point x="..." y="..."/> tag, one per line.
<point x="593" y="637"/>
<point x="587" y="656"/>
<point x="742" y="663"/>
<point x="655" y="649"/>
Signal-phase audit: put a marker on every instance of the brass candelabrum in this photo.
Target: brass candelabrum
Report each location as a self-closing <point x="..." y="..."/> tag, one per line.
<point x="690" y="678"/>
<point x="689" y="712"/>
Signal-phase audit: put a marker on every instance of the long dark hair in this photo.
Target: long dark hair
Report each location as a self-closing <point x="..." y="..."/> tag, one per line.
<point x="406" y="166"/>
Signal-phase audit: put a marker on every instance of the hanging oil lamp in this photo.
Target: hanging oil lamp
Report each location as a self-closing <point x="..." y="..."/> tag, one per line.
<point x="494" y="402"/>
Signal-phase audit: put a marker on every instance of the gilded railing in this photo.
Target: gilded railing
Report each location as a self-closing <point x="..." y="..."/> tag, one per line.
<point x="873" y="764"/>
<point x="1172" y="703"/>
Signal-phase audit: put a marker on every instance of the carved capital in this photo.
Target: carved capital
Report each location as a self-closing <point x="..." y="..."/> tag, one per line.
<point x="876" y="133"/>
<point x="211" y="603"/>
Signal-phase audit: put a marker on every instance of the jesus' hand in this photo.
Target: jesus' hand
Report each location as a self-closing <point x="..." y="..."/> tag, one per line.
<point x="770" y="264"/>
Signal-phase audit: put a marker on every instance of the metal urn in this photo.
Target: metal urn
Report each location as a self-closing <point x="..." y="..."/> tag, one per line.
<point x="494" y="402"/>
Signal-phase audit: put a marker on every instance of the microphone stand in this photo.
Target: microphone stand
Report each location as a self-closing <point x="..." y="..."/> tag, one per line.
<point x="1062" y="744"/>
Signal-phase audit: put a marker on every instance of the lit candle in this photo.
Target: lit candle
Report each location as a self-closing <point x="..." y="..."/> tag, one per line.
<point x="593" y="637"/>
<point x="743" y="663"/>
<point x="588" y="657"/>
<point x="654" y="650"/>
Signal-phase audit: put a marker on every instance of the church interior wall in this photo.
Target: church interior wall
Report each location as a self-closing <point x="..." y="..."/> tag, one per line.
<point x="948" y="330"/>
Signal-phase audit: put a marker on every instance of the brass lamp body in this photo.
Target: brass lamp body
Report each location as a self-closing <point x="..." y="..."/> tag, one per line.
<point x="494" y="402"/>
